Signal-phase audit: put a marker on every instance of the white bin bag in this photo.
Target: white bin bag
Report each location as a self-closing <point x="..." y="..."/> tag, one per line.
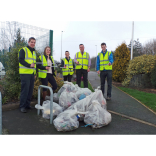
<point x="67" y="120"/>
<point x="67" y="99"/>
<point x="46" y="109"/>
<point x="97" y="116"/>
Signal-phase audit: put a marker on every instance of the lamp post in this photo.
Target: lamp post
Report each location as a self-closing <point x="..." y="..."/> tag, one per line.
<point x="61" y="44"/>
<point x="96" y="57"/>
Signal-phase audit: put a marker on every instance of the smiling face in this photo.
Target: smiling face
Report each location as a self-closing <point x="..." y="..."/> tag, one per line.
<point x="48" y="51"/>
<point x="31" y="43"/>
<point x="103" y="47"/>
<point x="67" y="54"/>
<point x="81" y="47"/>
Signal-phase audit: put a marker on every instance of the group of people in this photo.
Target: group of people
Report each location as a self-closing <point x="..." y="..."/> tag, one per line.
<point x="46" y="71"/>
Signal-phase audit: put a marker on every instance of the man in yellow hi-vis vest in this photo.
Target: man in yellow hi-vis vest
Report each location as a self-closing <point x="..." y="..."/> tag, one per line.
<point x="83" y="63"/>
<point x="104" y="68"/>
<point x="68" y="66"/>
<point x="27" y="71"/>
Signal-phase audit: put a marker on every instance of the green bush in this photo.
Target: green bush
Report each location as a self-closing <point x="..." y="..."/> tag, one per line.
<point x="59" y="70"/>
<point x="139" y="65"/>
<point x="122" y="57"/>
<point x="11" y="82"/>
<point x="153" y="76"/>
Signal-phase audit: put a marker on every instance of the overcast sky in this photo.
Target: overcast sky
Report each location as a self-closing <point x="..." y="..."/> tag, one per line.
<point x="87" y="22"/>
<point x="91" y="33"/>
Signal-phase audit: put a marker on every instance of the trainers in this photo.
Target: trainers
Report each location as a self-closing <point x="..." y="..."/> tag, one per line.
<point x="108" y="99"/>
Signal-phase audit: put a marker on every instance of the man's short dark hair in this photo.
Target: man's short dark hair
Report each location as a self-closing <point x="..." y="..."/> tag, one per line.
<point x="103" y="44"/>
<point x="66" y="51"/>
<point x="81" y="44"/>
<point x="31" y="38"/>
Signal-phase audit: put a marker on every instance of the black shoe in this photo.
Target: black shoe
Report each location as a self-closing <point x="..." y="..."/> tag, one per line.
<point x="108" y="99"/>
<point x="30" y="107"/>
<point x="23" y="110"/>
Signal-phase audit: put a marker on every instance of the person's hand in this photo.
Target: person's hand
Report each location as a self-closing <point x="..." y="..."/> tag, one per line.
<point x="47" y="68"/>
<point x="34" y="77"/>
<point x="109" y="63"/>
<point x="32" y="65"/>
<point x="98" y="72"/>
<point x="64" y="66"/>
<point x="77" y="62"/>
<point x="88" y="70"/>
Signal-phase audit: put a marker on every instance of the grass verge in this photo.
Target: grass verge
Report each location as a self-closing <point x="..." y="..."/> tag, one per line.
<point x="148" y="99"/>
<point x="82" y="86"/>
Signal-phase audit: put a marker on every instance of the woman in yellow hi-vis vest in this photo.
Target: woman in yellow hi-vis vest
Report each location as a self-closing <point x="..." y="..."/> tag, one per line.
<point x="47" y="73"/>
<point x="68" y="66"/>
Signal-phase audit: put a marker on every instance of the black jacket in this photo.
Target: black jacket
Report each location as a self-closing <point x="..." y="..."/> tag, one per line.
<point x="22" y="57"/>
<point x="44" y="68"/>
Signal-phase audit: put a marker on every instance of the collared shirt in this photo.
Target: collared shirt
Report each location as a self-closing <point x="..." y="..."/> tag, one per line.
<point x="89" y="60"/>
<point x="98" y="60"/>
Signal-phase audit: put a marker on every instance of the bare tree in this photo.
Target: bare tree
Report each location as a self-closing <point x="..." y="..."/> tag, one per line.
<point x="150" y="47"/>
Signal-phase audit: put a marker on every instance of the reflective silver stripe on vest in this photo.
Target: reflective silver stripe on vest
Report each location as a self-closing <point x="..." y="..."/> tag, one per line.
<point x="68" y="71"/>
<point x="82" y="58"/>
<point x="42" y="71"/>
<point x="104" y="60"/>
<point x="27" y="68"/>
<point x="30" y="59"/>
<point x="42" y="59"/>
<point x="26" y="53"/>
<point x="103" y="64"/>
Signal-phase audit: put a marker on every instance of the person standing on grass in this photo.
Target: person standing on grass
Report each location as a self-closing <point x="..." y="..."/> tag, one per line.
<point x="104" y="68"/>
<point x="27" y="71"/>
<point x="83" y="63"/>
<point x="46" y="70"/>
<point x="68" y="65"/>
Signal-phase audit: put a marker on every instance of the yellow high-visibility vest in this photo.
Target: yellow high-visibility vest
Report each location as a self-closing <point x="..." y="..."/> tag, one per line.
<point x="29" y="58"/>
<point x="69" y="67"/>
<point x="104" y="61"/>
<point x="83" y="60"/>
<point x="43" y="73"/>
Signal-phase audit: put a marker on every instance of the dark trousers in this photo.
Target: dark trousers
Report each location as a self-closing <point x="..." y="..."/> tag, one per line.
<point x="103" y="75"/>
<point x="50" y="78"/>
<point x="27" y="86"/>
<point x="67" y="78"/>
<point x="79" y="73"/>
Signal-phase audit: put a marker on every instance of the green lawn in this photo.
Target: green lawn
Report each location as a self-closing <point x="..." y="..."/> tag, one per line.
<point x="92" y="69"/>
<point x="149" y="99"/>
<point x="82" y="86"/>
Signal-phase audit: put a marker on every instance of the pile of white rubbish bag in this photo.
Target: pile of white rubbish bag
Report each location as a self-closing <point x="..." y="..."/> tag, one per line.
<point x="73" y="104"/>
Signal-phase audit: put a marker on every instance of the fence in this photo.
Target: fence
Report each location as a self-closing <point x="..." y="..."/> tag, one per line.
<point x="8" y="35"/>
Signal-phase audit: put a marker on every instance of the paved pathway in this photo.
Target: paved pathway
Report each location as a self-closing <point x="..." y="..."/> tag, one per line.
<point x="123" y="103"/>
<point x="19" y="123"/>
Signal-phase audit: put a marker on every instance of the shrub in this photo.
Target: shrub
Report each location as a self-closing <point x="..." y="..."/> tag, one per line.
<point x="139" y="65"/>
<point x="11" y="81"/>
<point x="122" y="57"/>
<point x="153" y="76"/>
